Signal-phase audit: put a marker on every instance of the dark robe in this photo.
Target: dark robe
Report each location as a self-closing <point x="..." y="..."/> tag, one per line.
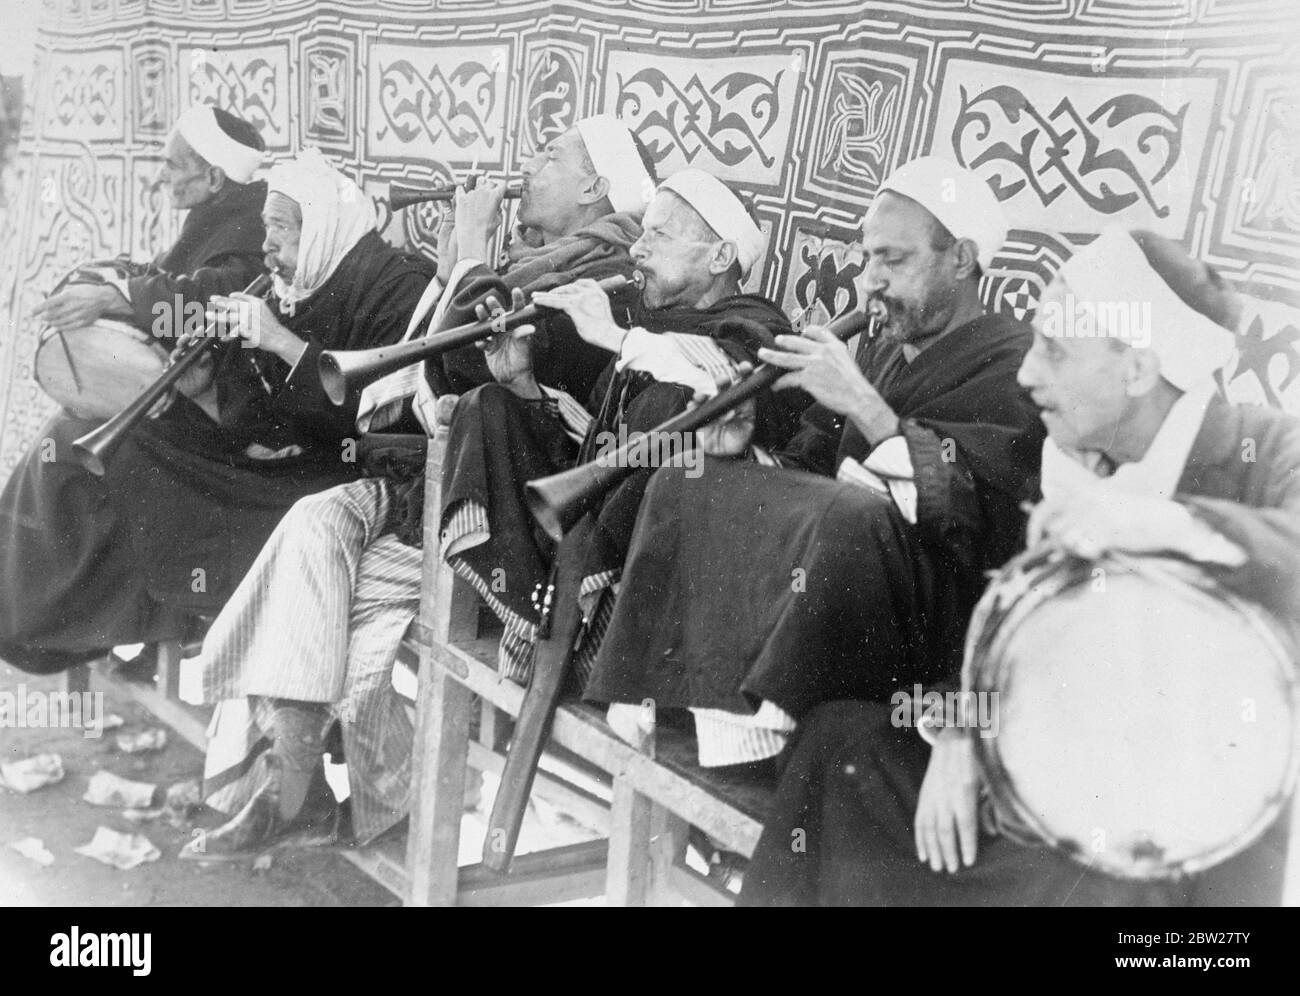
<point x="853" y="779"/>
<point x="219" y="250"/>
<point x="498" y="442"/>
<point x="181" y="513"/>
<point x="754" y="582"/>
<point x="561" y="358"/>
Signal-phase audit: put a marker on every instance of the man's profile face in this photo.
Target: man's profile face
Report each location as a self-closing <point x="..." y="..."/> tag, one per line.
<point x="283" y="220"/>
<point x="553" y="179"/>
<point x="184" y="175"/>
<point x="671" y="255"/>
<point x="1079" y="384"/>
<point x="915" y="282"/>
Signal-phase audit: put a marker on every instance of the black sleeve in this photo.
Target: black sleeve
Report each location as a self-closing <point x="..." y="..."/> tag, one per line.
<point x="223" y="274"/>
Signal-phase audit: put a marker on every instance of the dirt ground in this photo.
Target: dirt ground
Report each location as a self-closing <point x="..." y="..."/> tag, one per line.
<point x="57" y="816"/>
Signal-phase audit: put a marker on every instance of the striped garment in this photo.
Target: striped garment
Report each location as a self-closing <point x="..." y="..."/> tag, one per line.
<point x="318" y="618"/>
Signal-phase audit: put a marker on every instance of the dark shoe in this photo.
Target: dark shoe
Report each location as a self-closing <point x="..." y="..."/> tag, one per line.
<point x="259" y="825"/>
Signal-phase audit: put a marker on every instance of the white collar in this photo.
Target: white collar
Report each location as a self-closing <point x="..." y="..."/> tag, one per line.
<point x="1156" y="474"/>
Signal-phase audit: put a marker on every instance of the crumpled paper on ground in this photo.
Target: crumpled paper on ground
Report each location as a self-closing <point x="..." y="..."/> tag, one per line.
<point x="107" y="789"/>
<point x="35" y="849"/>
<point x="32" y="773"/>
<point x="181" y="801"/>
<point x="123" y="851"/>
<point x="139" y="743"/>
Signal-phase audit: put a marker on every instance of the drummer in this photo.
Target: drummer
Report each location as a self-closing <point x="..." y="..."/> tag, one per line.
<point x="1143" y="457"/>
<point x="208" y="166"/>
<point x="190" y="496"/>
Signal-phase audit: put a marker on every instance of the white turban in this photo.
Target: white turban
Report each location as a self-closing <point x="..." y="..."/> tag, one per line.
<point x="1113" y="280"/>
<point x="614" y="154"/>
<point x="962" y="202"/>
<point x="336" y="213"/>
<point x="199" y="127"/>
<point x="722" y="210"/>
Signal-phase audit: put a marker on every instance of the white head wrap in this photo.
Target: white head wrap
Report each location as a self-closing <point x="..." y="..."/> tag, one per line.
<point x="613" y="153"/>
<point x="198" y="126"/>
<point x="1113" y="272"/>
<point x="962" y="202"/>
<point x="722" y="211"/>
<point x="336" y="213"/>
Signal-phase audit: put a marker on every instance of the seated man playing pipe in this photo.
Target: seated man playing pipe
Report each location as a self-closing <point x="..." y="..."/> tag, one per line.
<point x="312" y="633"/>
<point x="73" y="588"/>
<point x="752" y="593"/>
<point x="691" y="329"/>
<point x="189" y="497"/>
<point x="1144" y="457"/>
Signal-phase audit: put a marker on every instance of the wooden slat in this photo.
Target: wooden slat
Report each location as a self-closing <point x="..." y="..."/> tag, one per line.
<point x="556" y="875"/>
<point x="190" y="722"/>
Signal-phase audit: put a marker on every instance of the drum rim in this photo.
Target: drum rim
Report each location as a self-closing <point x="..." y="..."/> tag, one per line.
<point x="993" y="624"/>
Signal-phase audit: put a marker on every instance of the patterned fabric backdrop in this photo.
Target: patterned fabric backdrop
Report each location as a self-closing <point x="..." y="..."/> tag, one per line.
<point x="1176" y="115"/>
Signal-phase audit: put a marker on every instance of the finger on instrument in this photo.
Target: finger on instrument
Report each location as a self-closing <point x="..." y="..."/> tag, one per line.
<point x="796" y="344"/>
<point x="818" y="333"/>
<point x="948" y="843"/>
<point x="780" y="358"/>
<point x="517" y="299"/>
<point x="932" y="853"/>
<point x="967" y="825"/>
<point x="788" y="381"/>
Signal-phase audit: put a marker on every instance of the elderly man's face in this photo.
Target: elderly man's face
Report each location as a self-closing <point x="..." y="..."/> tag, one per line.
<point x="185" y="175"/>
<point x="553" y="179"/>
<point x="1080" y="384"/>
<point x="916" y="283"/>
<point x="672" y="254"/>
<point x="283" y="219"/>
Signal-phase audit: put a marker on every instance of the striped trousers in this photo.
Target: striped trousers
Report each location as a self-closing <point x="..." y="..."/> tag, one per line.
<point x="318" y="618"/>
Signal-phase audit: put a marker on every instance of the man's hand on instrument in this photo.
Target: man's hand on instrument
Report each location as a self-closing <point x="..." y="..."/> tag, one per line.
<point x="448" y="248"/>
<point x="509" y="353"/>
<point x="947" y="810"/>
<point x="251" y="318"/>
<point x="821" y="365"/>
<point x="197" y="383"/>
<point x="588" y="306"/>
<point x="729" y="434"/>
<point x="477" y="213"/>
<point x="1091" y="521"/>
<point x="79" y="305"/>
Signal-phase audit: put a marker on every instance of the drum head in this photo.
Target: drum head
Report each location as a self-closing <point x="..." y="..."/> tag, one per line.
<point x="96" y="371"/>
<point x="1147" y="726"/>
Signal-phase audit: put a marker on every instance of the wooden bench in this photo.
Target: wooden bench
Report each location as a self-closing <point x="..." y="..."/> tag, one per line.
<point x="653" y="800"/>
<point x="643" y="802"/>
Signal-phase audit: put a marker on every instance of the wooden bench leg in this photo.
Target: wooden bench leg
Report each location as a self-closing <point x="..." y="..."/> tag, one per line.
<point x="169" y="669"/>
<point x="437" y="787"/>
<point x="645" y="840"/>
<point x="76" y="680"/>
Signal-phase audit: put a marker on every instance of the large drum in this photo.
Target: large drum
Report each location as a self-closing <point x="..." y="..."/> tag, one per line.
<point x="96" y="371"/>
<point x="1147" y="719"/>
